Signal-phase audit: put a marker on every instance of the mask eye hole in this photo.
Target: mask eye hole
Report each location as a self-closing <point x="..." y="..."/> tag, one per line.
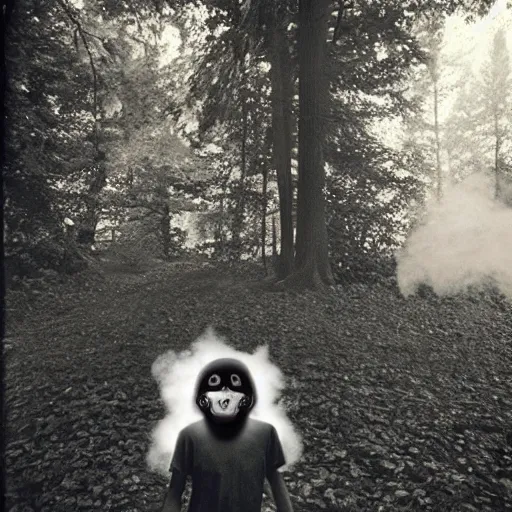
<point x="214" y="380"/>
<point x="236" y="380"/>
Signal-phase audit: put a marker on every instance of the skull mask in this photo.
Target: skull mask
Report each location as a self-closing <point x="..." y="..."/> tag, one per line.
<point x="225" y="391"/>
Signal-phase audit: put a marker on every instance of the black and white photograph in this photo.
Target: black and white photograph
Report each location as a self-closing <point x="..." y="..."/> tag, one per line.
<point x="257" y="255"/>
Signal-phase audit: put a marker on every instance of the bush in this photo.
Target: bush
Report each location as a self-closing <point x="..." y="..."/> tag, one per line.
<point x="31" y="259"/>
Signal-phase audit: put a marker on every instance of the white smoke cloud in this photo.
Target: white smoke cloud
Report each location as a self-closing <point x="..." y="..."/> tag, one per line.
<point x="176" y="374"/>
<point x="465" y="240"/>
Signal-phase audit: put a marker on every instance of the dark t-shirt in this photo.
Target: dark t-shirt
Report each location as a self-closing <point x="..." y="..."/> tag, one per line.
<point x="227" y="473"/>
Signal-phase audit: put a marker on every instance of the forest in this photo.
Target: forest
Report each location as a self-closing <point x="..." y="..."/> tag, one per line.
<point x="211" y="129"/>
<point x="330" y="178"/>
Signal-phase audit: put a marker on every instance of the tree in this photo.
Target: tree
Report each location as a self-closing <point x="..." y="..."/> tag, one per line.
<point x="477" y="131"/>
<point x="312" y="260"/>
<point x="65" y="73"/>
<point x="130" y="109"/>
<point x="496" y="90"/>
<point x="97" y="177"/>
<point x="268" y="22"/>
<point x="46" y="140"/>
<point x="150" y="199"/>
<point x="433" y="40"/>
<point x="152" y="174"/>
<point x="463" y="137"/>
<point x="428" y="83"/>
<point x="238" y="218"/>
<point x="260" y="27"/>
<point x="375" y="48"/>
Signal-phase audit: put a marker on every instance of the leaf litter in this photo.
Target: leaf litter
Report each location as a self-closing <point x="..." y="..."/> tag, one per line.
<point x="403" y="404"/>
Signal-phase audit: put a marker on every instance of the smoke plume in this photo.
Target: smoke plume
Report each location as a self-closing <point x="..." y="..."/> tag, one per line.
<point x="176" y="374"/>
<point x="464" y="240"/>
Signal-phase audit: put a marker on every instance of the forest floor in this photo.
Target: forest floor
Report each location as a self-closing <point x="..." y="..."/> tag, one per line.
<point x="403" y="404"/>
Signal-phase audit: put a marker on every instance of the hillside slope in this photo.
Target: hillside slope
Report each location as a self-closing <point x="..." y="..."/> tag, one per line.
<point x="404" y="404"/>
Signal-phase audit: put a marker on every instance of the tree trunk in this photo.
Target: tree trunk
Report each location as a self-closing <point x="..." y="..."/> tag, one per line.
<point x="449" y="165"/>
<point x="281" y="98"/>
<point x="264" y="218"/>
<point x="496" y="157"/>
<point x="219" y="225"/>
<point x="238" y="220"/>
<point x="165" y="231"/>
<point x="312" y="257"/>
<point x="87" y="229"/>
<point x="438" y="142"/>
<point x="275" y="256"/>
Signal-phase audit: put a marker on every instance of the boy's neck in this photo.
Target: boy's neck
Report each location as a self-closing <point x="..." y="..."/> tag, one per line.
<point x="226" y="430"/>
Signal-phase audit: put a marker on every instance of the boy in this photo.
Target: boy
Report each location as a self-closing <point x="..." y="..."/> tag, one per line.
<point x="227" y="454"/>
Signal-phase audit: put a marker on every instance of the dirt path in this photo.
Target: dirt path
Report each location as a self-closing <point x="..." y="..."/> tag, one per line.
<point x="403" y="404"/>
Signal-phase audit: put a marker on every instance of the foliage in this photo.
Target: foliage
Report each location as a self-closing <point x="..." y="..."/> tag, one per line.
<point x="367" y="213"/>
<point x="469" y="135"/>
<point x="369" y="186"/>
<point x="46" y="143"/>
<point x="496" y="107"/>
<point x="467" y="146"/>
<point x="140" y="240"/>
<point x="74" y="105"/>
<point x="376" y="49"/>
<point x="94" y="98"/>
<point x="373" y="50"/>
<point x="230" y="83"/>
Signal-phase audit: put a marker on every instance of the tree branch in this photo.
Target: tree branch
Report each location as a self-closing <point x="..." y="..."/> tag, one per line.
<point x="145" y="205"/>
<point x="82" y="34"/>
<point x="136" y="14"/>
<point x="101" y="39"/>
<point x="339" y="21"/>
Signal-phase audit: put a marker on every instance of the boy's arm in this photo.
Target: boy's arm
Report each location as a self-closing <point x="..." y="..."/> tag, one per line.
<point x="172" y="501"/>
<point x="280" y="493"/>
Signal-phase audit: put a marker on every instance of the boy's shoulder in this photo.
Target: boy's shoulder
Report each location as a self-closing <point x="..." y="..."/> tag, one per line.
<point x="193" y="428"/>
<point x="261" y="429"/>
<point x="259" y="424"/>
